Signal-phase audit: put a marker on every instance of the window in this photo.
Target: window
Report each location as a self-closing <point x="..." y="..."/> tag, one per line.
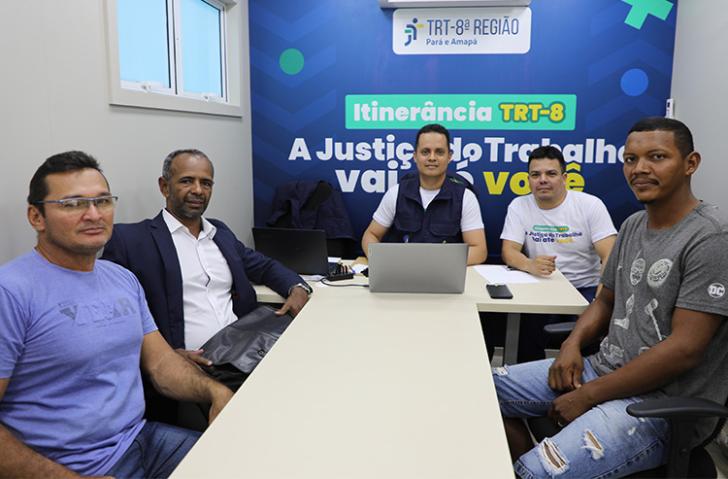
<point x="175" y="54"/>
<point x="144" y="53"/>
<point x="202" y="48"/>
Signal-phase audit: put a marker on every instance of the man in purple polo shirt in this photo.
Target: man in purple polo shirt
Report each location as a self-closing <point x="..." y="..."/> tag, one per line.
<point x="73" y="332"/>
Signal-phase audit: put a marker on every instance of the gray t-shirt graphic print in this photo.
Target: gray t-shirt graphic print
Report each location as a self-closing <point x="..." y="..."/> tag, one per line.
<point x="652" y="272"/>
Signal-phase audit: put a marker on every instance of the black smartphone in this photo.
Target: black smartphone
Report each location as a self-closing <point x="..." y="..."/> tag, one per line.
<point x="499" y="291"/>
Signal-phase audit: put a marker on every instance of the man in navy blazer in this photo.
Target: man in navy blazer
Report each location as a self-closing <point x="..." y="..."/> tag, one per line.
<point x="196" y="274"/>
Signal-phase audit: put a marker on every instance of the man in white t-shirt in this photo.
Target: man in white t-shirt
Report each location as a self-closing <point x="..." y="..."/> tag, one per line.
<point x="556" y="228"/>
<point x="432" y="206"/>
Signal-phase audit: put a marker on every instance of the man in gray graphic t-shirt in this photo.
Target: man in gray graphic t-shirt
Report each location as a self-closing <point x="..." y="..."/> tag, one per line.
<point x="655" y="271"/>
<point x="663" y="309"/>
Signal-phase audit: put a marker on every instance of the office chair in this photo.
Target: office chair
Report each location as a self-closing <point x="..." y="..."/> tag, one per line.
<point x="556" y="333"/>
<point x="680" y="413"/>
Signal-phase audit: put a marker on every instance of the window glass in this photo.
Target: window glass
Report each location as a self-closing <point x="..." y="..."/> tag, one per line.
<point x="201" y="47"/>
<point x="143" y="41"/>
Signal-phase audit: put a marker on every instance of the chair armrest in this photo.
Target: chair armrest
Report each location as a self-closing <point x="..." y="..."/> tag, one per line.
<point x="564" y="328"/>
<point x="675" y="407"/>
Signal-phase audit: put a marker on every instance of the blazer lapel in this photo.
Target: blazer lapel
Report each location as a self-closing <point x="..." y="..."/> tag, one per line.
<point x="227" y="248"/>
<point x="172" y="270"/>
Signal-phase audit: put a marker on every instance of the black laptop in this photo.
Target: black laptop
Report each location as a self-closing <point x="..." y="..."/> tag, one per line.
<point x="303" y="251"/>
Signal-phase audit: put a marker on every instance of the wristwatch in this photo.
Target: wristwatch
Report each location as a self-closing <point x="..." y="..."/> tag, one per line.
<point x="305" y="286"/>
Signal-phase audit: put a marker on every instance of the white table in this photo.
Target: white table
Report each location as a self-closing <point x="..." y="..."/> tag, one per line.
<point x="372" y="385"/>
<point x="552" y="295"/>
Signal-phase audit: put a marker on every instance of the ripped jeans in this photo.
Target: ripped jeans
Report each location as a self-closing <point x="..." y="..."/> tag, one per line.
<point x="603" y="442"/>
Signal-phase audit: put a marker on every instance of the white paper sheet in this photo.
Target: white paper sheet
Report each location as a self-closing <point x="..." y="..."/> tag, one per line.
<point x="358" y="268"/>
<point x="500" y="274"/>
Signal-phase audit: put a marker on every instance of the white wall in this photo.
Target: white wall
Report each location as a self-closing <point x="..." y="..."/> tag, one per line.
<point x="700" y="90"/>
<point x="54" y="97"/>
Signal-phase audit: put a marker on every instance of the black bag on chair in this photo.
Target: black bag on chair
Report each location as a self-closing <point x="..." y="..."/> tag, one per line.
<point x="241" y="345"/>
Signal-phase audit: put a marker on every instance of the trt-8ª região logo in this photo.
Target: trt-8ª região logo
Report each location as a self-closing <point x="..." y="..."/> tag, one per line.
<point x="410" y="31"/>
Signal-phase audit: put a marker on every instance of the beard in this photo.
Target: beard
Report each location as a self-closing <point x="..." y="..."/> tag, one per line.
<point x="181" y="209"/>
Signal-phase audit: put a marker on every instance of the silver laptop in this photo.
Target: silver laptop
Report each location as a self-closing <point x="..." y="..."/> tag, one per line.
<point x="417" y="267"/>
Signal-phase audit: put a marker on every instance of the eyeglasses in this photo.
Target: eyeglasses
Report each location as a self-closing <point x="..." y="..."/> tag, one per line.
<point x="78" y="205"/>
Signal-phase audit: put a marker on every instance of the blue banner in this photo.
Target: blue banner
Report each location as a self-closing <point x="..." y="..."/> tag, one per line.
<point x="340" y="87"/>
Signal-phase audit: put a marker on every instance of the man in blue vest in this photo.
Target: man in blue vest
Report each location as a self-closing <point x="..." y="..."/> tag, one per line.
<point x="432" y="206"/>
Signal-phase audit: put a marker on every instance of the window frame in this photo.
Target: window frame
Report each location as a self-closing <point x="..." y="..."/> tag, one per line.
<point x="149" y="95"/>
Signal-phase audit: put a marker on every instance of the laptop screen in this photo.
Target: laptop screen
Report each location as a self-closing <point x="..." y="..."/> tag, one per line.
<point x="303" y="251"/>
<point x="417" y="267"/>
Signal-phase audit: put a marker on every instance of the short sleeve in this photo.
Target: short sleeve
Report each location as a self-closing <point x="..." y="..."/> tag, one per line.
<point x="148" y="324"/>
<point x="470" y="219"/>
<point x="609" y="275"/>
<point x="600" y="223"/>
<point x="384" y="215"/>
<point x="513" y="227"/>
<point x="705" y="277"/>
<point x="13" y="326"/>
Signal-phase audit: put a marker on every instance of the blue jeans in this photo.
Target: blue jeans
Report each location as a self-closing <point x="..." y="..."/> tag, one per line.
<point x="155" y="452"/>
<point x="603" y="442"/>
